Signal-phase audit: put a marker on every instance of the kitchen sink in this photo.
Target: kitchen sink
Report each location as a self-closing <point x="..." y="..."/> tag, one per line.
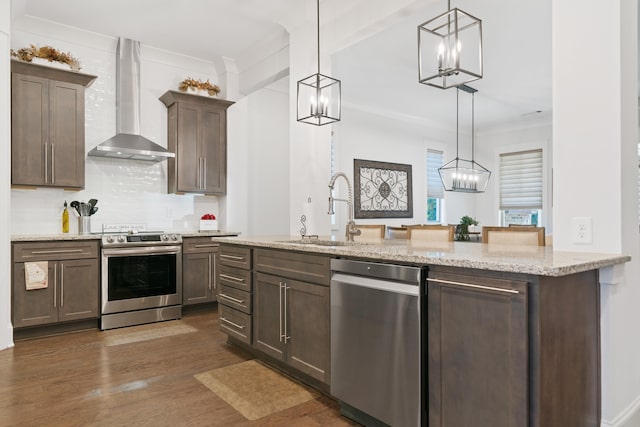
<point x="319" y="242"/>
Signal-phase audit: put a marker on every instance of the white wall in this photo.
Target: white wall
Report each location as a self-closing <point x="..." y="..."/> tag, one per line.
<point x="6" y="330"/>
<point x="594" y="151"/>
<point x="127" y="191"/>
<point x="268" y="162"/>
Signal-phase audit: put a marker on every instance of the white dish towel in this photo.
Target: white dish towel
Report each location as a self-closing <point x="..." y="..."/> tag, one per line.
<point x="36" y="275"/>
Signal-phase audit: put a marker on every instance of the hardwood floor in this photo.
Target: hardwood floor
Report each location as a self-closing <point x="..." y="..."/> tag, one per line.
<point x="78" y="380"/>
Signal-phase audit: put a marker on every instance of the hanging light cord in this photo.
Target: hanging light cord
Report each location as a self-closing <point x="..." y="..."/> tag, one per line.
<point x="318" y="29"/>
<point x="457" y="121"/>
<point x="473" y="126"/>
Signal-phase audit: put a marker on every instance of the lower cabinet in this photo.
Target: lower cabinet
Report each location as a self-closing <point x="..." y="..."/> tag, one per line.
<point x="234" y="293"/>
<point x="72" y="291"/>
<point x="477" y="359"/>
<point x="511" y="350"/>
<point x="199" y="266"/>
<point x="291" y="316"/>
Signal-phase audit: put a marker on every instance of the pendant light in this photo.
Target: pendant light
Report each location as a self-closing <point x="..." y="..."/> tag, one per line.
<point x="450" y="49"/>
<point x="462" y="175"/>
<point x="318" y="95"/>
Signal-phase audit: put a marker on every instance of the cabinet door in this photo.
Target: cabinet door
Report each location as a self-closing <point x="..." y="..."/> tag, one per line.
<point x="29" y="130"/>
<point x="37" y="306"/>
<point x="197" y="277"/>
<point x="477" y="340"/>
<point x="268" y="315"/>
<point x="308" y="348"/>
<point x="214" y="150"/>
<point x="66" y="134"/>
<point x="188" y="156"/>
<point x="78" y="289"/>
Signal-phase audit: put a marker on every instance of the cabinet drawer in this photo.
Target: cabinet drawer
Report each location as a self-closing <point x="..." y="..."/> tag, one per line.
<point x="234" y="277"/>
<point x="235" y="298"/>
<point x="235" y="256"/>
<point x="308" y="268"/>
<point x="199" y="244"/>
<point x="49" y="251"/>
<point x="235" y="323"/>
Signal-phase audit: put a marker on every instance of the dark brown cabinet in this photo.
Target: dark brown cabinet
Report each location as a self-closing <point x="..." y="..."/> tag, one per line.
<point x="512" y="349"/>
<point x="197" y="133"/>
<point x="47" y="126"/>
<point x="291" y="316"/>
<point x="73" y="283"/>
<point x="199" y="267"/>
<point x="234" y="294"/>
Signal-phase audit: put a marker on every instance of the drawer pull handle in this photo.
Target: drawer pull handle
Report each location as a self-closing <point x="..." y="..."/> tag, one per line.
<point x="226" y="276"/>
<point x="58" y="251"/>
<point x="232" y="257"/>
<point x="210" y="245"/>
<point x="232" y="323"/>
<point x="232" y="299"/>
<point x="469" y="285"/>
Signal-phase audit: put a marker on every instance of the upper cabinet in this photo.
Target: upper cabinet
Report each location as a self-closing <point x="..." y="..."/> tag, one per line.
<point x="197" y="133"/>
<point x="47" y="126"/>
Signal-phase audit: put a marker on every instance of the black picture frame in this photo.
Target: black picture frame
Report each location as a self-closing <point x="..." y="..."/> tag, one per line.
<point x="382" y="190"/>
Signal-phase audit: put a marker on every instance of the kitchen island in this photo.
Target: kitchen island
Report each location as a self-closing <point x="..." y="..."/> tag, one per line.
<point x="512" y="333"/>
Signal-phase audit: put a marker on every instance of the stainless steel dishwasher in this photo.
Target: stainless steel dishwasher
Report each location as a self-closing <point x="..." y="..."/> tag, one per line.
<point x="376" y="342"/>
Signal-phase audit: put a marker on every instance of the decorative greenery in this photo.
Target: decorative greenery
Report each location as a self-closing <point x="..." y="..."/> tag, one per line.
<point x="46" y="52"/>
<point x="194" y="84"/>
<point x="462" y="229"/>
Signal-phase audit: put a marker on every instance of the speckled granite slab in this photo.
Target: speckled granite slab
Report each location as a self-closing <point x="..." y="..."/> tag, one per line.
<point x="538" y="260"/>
<point x="54" y="237"/>
<point x="98" y="236"/>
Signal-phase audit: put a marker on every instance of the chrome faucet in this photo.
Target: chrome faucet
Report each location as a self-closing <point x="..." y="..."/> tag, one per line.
<point x="351" y="229"/>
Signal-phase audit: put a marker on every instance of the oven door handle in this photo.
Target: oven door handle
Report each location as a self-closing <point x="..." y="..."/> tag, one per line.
<point x="142" y="250"/>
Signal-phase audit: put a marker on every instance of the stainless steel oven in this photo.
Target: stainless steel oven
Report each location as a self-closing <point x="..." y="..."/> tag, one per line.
<point x="141" y="279"/>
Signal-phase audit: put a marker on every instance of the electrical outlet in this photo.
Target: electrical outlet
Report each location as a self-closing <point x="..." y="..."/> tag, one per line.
<point x="582" y="230"/>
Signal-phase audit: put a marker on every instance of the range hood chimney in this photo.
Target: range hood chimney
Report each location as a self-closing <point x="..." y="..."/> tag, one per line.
<point x="128" y="143"/>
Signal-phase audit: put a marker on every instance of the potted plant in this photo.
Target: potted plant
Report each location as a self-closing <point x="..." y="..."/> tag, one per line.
<point x="462" y="229"/>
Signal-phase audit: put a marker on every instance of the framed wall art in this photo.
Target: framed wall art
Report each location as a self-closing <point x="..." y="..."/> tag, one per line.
<point x="382" y="190"/>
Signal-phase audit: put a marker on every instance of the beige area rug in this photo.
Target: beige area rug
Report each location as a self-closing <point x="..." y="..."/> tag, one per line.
<point x="254" y="389"/>
<point x="146" y="333"/>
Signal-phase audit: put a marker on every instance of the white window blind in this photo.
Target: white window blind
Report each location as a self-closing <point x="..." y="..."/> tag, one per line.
<point x="638" y="183"/>
<point x="521" y="180"/>
<point x="434" y="184"/>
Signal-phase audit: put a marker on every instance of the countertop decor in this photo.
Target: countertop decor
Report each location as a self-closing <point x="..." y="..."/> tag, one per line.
<point x="537" y="260"/>
<point x="98" y="236"/>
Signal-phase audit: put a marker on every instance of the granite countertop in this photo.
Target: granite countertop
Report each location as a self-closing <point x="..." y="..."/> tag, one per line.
<point x="537" y="260"/>
<point x="54" y="237"/>
<point x="98" y="236"/>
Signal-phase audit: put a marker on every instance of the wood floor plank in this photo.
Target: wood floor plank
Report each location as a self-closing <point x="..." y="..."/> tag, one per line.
<point x="78" y="380"/>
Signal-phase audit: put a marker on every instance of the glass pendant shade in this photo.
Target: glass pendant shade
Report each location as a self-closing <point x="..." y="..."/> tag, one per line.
<point x="450" y="49"/>
<point x="319" y="100"/>
<point x="465" y="176"/>
<point x="318" y="95"/>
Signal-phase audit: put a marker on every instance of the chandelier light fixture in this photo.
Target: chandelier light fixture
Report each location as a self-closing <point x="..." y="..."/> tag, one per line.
<point x="450" y="49"/>
<point x="318" y="95"/>
<point x="462" y="175"/>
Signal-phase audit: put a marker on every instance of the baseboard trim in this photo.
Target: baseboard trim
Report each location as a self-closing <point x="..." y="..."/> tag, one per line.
<point x="630" y="417"/>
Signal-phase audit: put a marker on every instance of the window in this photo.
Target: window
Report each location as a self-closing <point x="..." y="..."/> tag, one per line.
<point x="521" y="187"/>
<point x="435" y="192"/>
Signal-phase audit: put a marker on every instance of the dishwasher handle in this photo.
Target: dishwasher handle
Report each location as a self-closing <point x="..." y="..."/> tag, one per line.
<point x="393" y="272"/>
<point x="368" y="282"/>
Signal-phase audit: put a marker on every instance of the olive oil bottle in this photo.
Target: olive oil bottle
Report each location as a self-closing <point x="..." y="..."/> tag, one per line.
<point x="65" y="218"/>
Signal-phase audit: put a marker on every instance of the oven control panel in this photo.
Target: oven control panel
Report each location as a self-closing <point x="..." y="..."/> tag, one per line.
<point x="141" y="239"/>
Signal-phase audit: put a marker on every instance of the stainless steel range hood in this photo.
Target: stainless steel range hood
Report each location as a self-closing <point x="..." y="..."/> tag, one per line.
<point x="128" y="143"/>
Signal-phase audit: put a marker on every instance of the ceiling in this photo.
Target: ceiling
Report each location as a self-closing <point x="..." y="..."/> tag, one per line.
<point x="378" y="73"/>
